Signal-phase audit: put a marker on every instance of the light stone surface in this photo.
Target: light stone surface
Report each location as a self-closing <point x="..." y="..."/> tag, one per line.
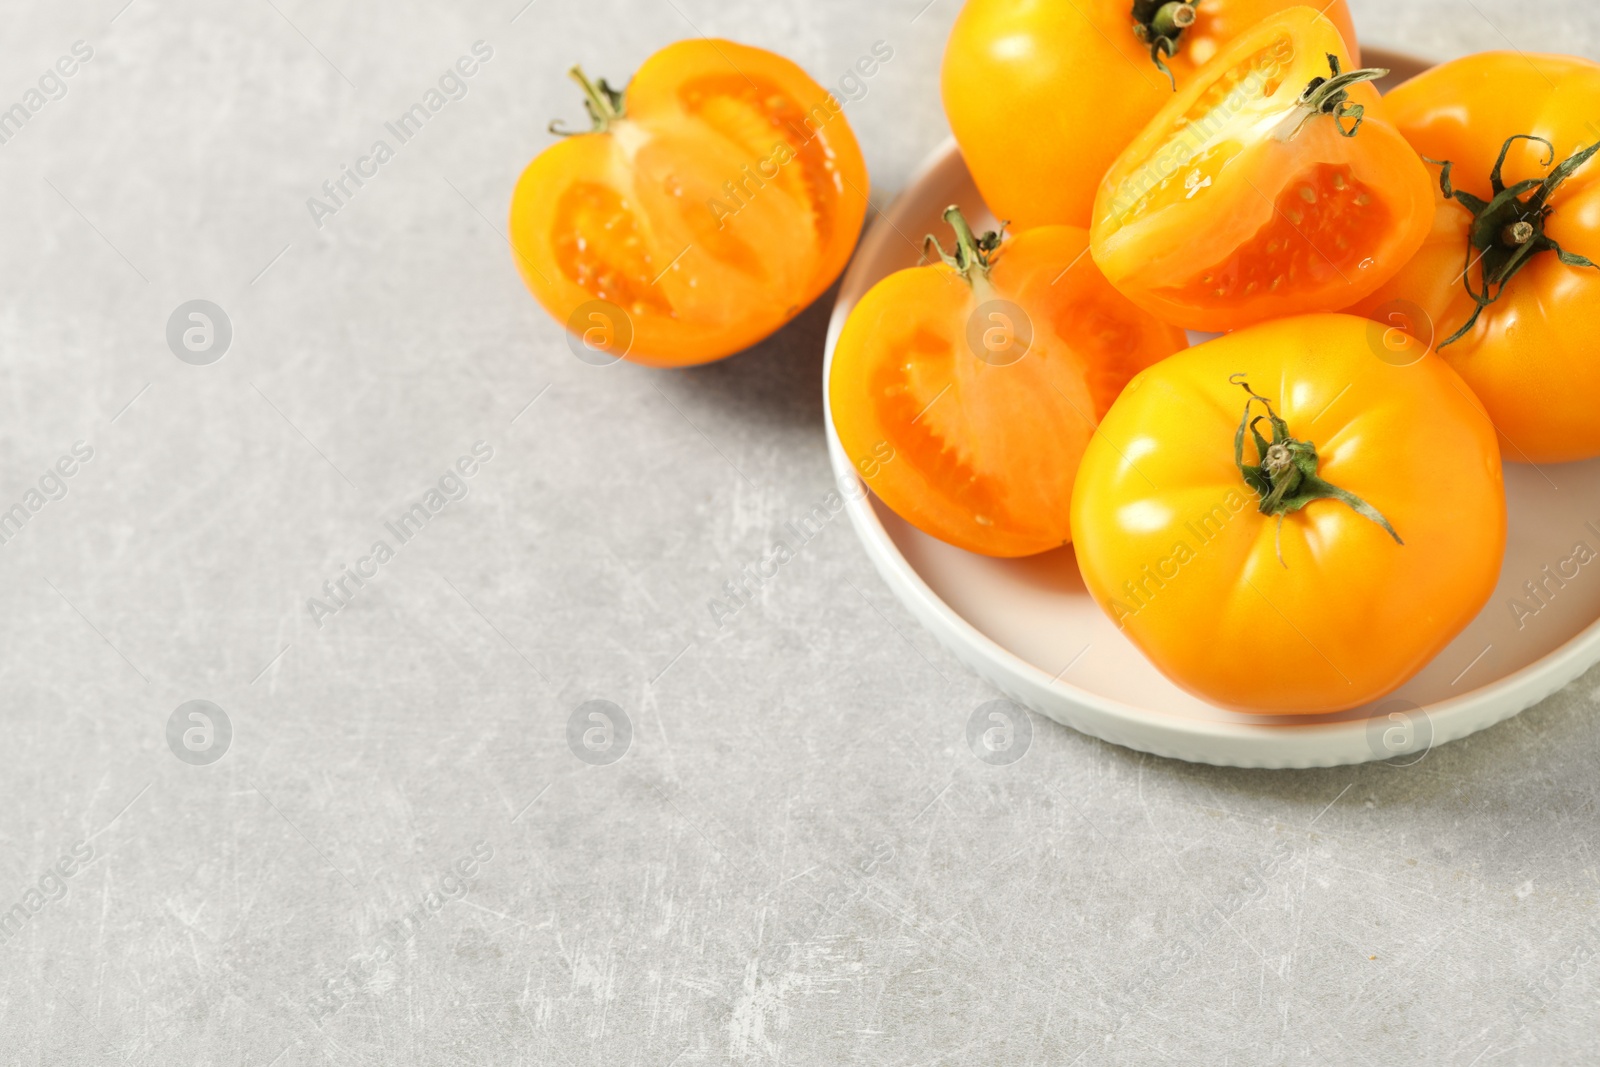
<point x="798" y="860"/>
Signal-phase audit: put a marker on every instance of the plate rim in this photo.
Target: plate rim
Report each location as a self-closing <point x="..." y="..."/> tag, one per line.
<point x="1217" y="741"/>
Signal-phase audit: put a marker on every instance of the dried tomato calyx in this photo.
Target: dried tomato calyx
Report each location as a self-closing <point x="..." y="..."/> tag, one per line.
<point x="1508" y="231"/>
<point x="600" y="100"/>
<point x="1285" y="476"/>
<point x="1331" y="96"/>
<point x="973" y="255"/>
<point x="1160" y="24"/>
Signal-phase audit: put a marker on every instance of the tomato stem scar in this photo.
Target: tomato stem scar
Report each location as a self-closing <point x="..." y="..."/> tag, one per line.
<point x="1286" y="478"/>
<point x="1508" y="231"/>
<point x="1518" y="233"/>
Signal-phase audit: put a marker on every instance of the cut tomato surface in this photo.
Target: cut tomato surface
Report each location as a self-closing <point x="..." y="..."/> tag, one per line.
<point x="1268" y="187"/>
<point x="718" y="197"/>
<point x="966" y="399"/>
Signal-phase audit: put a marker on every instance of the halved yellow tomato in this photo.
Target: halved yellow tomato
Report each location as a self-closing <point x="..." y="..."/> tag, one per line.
<point x="964" y="392"/>
<point x="1270" y="185"/>
<point x="710" y="204"/>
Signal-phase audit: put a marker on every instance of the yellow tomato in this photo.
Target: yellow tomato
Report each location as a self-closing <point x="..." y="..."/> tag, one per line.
<point x="1529" y="353"/>
<point x="1304" y="547"/>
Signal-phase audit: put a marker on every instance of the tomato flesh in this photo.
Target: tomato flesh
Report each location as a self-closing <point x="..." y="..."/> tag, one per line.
<point x="599" y="246"/>
<point x="1322" y="225"/>
<point x="1206" y="136"/>
<point x="756" y="113"/>
<point x="904" y="394"/>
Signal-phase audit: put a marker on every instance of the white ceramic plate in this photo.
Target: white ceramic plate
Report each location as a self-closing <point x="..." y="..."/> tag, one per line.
<point x="1030" y="627"/>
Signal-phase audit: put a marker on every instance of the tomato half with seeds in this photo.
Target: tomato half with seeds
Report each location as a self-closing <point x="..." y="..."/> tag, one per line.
<point x="1043" y="95"/>
<point x="1505" y="284"/>
<point x="710" y="204"/>
<point x="1284" y="521"/>
<point x="965" y="391"/>
<point x="1271" y="185"/>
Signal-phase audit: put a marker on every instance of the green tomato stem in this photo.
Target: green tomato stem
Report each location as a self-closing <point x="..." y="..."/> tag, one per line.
<point x="603" y="103"/>
<point x="1286" y="477"/>
<point x="1331" y="96"/>
<point x="1160" y="25"/>
<point x="1508" y="232"/>
<point x="1171" y="19"/>
<point x="973" y="255"/>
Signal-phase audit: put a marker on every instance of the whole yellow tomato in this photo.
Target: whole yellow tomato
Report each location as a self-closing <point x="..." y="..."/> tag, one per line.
<point x="964" y="392"/>
<point x="709" y="205"/>
<point x="1270" y="185"/>
<point x="1042" y="95"/>
<point x="1506" y="284"/>
<point x="1293" y="518"/>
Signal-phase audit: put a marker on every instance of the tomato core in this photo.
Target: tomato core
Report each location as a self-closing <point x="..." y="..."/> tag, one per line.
<point x="1111" y="339"/>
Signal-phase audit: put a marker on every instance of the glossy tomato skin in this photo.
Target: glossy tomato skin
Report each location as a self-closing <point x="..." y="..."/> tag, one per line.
<point x="727" y="198"/>
<point x="1228" y="210"/>
<point x="1042" y="95"/>
<point x="1173" y="546"/>
<point x="1531" y="355"/>
<point x="977" y="450"/>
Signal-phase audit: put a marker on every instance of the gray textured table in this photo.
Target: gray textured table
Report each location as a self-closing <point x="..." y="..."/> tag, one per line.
<point x="399" y="859"/>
